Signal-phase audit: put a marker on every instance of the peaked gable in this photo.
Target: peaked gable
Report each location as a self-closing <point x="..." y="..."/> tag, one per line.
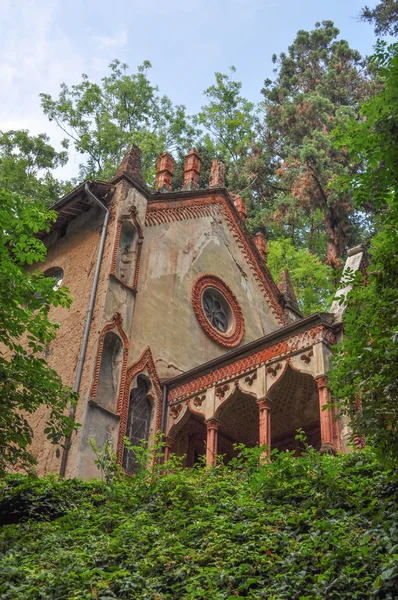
<point x="182" y="206"/>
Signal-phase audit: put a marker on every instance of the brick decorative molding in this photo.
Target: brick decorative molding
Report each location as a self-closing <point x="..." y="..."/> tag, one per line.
<point x="132" y="216"/>
<point x="301" y="341"/>
<point x="232" y="338"/>
<point x="217" y="205"/>
<point x="145" y="362"/>
<point x="116" y="324"/>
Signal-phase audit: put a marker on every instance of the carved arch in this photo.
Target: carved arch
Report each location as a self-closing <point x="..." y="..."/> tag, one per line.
<point x="129" y="218"/>
<point x="145" y="365"/>
<point x="288" y="365"/>
<point x="116" y="324"/>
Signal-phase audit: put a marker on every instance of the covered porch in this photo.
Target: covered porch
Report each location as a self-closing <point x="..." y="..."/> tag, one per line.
<point x="258" y="394"/>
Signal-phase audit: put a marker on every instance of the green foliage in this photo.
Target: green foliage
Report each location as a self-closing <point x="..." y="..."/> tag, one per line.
<point x="366" y="361"/>
<point x="102" y="120"/>
<point x="310" y="528"/>
<point x="26" y="381"/>
<point x="319" y="84"/>
<point x="229" y="119"/>
<point x="26" y="164"/>
<point x="312" y="280"/>
<point x="384" y="17"/>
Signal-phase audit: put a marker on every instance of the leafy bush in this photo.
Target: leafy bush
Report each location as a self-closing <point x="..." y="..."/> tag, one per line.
<point x="317" y="527"/>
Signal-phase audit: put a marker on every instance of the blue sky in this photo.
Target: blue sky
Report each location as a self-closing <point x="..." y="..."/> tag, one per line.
<point x="45" y="42"/>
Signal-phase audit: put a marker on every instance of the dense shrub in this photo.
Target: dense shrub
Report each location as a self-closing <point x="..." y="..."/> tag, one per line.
<point x="318" y="527"/>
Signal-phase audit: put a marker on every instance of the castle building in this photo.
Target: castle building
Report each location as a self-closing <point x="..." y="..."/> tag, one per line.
<point x="177" y="325"/>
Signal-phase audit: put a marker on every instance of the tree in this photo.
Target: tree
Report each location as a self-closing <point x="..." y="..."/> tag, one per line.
<point x="26" y="164"/>
<point x="102" y="120"/>
<point x="230" y="123"/>
<point x="319" y="84"/>
<point x="384" y="17"/>
<point x="26" y="380"/>
<point x="312" y="280"/>
<point x="365" y="364"/>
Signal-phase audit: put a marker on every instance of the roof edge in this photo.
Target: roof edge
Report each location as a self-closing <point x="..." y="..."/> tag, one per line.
<point x="315" y="319"/>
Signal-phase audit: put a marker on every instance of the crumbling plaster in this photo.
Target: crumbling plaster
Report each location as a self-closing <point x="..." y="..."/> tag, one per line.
<point x="173" y="255"/>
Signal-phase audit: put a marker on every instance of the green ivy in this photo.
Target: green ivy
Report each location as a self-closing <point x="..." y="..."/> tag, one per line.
<point x="313" y="528"/>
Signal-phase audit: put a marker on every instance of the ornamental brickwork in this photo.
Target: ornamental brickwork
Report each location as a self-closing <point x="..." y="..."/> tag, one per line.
<point x="184" y="304"/>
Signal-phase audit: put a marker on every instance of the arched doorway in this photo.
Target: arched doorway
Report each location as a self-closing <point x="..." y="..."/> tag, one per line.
<point x="294" y="405"/>
<point x="238" y="424"/>
<point x="190" y="440"/>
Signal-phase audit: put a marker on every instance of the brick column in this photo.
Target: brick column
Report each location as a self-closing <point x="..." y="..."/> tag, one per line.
<point x="264" y="409"/>
<point x="212" y="440"/>
<point x="329" y="428"/>
<point x="167" y="448"/>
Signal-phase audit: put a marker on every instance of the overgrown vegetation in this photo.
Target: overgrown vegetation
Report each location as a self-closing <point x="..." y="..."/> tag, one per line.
<point x="26" y="381"/>
<point x="313" y="528"/>
<point x="366" y="361"/>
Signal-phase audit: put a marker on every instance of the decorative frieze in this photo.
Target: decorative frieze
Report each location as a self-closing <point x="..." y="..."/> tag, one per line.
<point x="239" y="367"/>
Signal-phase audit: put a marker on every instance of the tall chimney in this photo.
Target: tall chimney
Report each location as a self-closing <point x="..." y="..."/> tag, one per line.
<point x="191" y="170"/>
<point x="240" y="207"/>
<point x="164" y="172"/>
<point x="261" y="242"/>
<point x="217" y="174"/>
<point x="131" y="164"/>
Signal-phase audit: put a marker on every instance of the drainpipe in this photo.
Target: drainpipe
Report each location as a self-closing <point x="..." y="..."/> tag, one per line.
<point x="86" y="332"/>
<point x="163" y="421"/>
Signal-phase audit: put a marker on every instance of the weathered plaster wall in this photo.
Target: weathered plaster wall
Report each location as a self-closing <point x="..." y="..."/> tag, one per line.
<point x="173" y="255"/>
<point x="76" y="253"/>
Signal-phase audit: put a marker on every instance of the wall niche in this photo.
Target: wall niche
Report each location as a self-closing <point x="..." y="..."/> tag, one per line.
<point x="126" y="257"/>
<point x="110" y="370"/>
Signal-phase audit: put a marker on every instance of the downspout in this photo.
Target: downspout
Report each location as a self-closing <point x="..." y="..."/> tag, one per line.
<point x="86" y="332"/>
<point x="163" y="421"/>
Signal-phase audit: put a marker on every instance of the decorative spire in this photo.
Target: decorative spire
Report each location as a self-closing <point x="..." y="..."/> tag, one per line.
<point x="285" y="287"/>
<point x="164" y="172"/>
<point x="261" y="243"/>
<point x="217" y="174"/>
<point x="131" y="164"/>
<point x="192" y="170"/>
<point x="240" y="206"/>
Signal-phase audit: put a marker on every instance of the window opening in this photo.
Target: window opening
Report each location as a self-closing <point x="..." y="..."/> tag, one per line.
<point x="57" y="274"/>
<point x="216" y="309"/>
<point x="138" y="422"/>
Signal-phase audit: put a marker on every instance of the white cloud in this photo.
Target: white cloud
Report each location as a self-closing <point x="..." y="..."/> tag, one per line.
<point x="117" y="41"/>
<point x="35" y="57"/>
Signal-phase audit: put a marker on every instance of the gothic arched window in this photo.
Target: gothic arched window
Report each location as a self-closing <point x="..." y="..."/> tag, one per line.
<point x="138" y="422"/>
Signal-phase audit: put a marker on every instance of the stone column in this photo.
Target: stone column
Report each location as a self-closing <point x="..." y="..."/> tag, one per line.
<point x="212" y="440"/>
<point x="264" y="409"/>
<point x="167" y="448"/>
<point x="329" y="428"/>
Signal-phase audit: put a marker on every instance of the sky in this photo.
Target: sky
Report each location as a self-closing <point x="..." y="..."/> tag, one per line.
<point x="46" y="42"/>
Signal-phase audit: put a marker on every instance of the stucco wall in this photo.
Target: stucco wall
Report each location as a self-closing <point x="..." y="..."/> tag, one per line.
<point x="173" y="255"/>
<point x="159" y="315"/>
<point x="76" y="254"/>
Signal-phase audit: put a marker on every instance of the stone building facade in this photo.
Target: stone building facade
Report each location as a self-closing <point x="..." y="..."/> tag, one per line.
<point x="178" y="326"/>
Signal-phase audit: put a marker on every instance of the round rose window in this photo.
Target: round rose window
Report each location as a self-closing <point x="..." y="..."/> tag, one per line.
<point x="217" y="310"/>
